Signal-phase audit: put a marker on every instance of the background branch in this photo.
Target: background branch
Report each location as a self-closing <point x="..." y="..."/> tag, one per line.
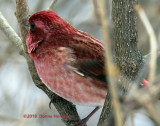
<point x="153" y="41"/>
<point x="151" y="93"/>
<point x="9" y="32"/>
<point x="111" y="72"/>
<point x="148" y="100"/>
<point x="52" y="4"/>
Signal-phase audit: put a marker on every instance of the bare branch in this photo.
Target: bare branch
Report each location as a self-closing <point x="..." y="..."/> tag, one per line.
<point x="9" y="32"/>
<point x="52" y="4"/>
<point x="153" y="41"/>
<point x="148" y="99"/>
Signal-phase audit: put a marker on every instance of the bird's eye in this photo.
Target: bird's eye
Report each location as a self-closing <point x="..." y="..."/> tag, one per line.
<point x="32" y="25"/>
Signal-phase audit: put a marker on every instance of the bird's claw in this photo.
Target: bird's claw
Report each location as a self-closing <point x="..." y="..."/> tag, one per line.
<point x="53" y="96"/>
<point x="79" y="122"/>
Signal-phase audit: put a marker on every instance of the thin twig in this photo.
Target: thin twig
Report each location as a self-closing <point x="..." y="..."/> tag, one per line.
<point x="148" y="98"/>
<point x="52" y="4"/>
<point x="111" y="69"/>
<point x="151" y="107"/>
<point x="153" y="41"/>
<point x="9" y="32"/>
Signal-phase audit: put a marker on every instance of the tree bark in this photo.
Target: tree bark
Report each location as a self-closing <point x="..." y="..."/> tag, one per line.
<point x="125" y="52"/>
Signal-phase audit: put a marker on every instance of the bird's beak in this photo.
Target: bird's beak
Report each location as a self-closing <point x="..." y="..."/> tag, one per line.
<point x="33" y="46"/>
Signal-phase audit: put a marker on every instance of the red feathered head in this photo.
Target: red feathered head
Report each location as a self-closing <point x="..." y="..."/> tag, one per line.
<point x="43" y="25"/>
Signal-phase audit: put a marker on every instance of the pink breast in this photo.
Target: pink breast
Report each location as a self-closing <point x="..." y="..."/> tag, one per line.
<point x="70" y="85"/>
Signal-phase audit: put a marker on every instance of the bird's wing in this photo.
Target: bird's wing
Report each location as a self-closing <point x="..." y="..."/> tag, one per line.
<point x="92" y="68"/>
<point x="86" y="46"/>
<point x="89" y="52"/>
<point x="87" y="68"/>
<point x="89" y="56"/>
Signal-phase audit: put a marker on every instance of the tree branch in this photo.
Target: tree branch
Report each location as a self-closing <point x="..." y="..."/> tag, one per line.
<point x="125" y="52"/>
<point x="143" y="97"/>
<point x="9" y="32"/>
<point x="111" y="72"/>
<point x="64" y="107"/>
<point x="153" y="41"/>
<point x="148" y="96"/>
<point x="52" y="4"/>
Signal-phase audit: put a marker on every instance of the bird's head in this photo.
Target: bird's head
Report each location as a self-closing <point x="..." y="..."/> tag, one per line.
<point x="45" y="26"/>
<point x="40" y="24"/>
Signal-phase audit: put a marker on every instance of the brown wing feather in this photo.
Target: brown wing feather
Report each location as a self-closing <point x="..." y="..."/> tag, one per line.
<point x="93" y="68"/>
<point x="89" y="53"/>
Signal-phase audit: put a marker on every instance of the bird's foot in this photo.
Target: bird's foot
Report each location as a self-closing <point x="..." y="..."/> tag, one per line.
<point x="84" y="121"/>
<point x="81" y="122"/>
<point x="53" y="97"/>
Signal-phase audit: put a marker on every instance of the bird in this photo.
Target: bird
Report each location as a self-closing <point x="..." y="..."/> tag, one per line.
<point x="70" y="62"/>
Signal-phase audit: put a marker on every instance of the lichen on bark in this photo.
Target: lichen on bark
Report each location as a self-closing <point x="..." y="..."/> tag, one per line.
<point x="126" y="54"/>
